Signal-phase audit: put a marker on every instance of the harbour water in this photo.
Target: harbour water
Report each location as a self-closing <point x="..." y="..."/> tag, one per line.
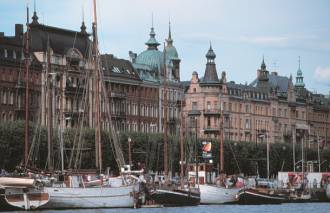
<point x="283" y="208"/>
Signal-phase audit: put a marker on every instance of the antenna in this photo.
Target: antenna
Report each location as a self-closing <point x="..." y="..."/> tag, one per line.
<point x="299" y="61"/>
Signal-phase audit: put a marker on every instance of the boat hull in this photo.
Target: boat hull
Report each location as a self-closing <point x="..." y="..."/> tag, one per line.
<point x="255" y="197"/>
<point x="93" y="197"/>
<point x="328" y="191"/>
<point x="23" y="198"/>
<point x="175" y="197"/>
<point x="217" y="195"/>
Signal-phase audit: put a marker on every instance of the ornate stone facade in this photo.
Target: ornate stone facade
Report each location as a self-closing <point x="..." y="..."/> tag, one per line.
<point x="270" y="108"/>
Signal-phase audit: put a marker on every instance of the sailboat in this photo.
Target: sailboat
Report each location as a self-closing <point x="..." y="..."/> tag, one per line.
<point x="218" y="193"/>
<point x="87" y="189"/>
<point x="263" y="192"/>
<point x="167" y="194"/>
<point x="16" y="192"/>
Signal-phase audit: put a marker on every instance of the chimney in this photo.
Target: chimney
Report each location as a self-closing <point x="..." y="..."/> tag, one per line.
<point x="274" y="73"/>
<point x="132" y="56"/>
<point x="18" y="30"/>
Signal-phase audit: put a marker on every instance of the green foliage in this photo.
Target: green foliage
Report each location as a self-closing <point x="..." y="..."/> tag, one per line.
<point x="147" y="150"/>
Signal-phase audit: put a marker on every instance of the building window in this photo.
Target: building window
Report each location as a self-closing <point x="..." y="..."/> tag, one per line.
<point x="194" y="90"/>
<point x="208" y="105"/>
<point x="194" y="106"/>
<point x="208" y="121"/>
<point x="247" y="124"/>
<point x="247" y="108"/>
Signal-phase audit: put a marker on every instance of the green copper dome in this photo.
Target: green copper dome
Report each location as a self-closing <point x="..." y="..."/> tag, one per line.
<point x="299" y="72"/>
<point x="153" y="58"/>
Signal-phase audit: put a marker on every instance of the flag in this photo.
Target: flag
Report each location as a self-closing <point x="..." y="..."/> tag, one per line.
<point x="207" y="147"/>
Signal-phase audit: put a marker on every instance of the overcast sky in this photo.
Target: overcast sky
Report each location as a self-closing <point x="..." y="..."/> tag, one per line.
<point x="241" y="31"/>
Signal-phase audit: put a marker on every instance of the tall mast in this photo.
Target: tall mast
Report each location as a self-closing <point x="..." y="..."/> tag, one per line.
<point x="221" y="141"/>
<point x="27" y="66"/>
<point x="98" y="153"/>
<point x="267" y="143"/>
<point x="165" y="103"/>
<point x="50" y="85"/>
<point x="181" y="146"/>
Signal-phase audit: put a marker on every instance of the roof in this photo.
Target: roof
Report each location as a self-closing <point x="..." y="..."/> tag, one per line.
<point x="210" y="76"/>
<point x="118" y="67"/>
<point x="275" y="81"/>
<point x="60" y="40"/>
<point x="152" y="58"/>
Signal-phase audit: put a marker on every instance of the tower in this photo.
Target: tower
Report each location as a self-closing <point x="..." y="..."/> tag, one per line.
<point x="172" y="57"/>
<point x="210" y="75"/>
<point x="299" y="78"/>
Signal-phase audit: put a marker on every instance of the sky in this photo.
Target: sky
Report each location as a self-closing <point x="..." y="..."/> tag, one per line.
<point x="241" y="32"/>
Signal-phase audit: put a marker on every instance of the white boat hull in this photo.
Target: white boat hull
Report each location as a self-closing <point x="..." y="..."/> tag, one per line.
<point x="93" y="197"/>
<point x="211" y="194"/>
<point x="328" y="191"/>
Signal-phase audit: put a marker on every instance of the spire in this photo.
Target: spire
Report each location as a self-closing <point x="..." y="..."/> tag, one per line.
<point x="263" y="65"/>
<point x="169" y="40"/>
<point x="210" y="75"/>
<point x="35" y="17"/>
<point x="83" y="26"/>
<point x="210" y="55"/>
<point x="152" y="43"/>
<point x="299" y="78"/>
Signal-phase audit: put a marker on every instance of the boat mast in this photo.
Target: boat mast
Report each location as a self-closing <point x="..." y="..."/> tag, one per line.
<point x="222" y="128"/>
<point x="267" y="143"/>
<point x="165" y="104"/>
<point x="98" y="153"/>
<point x="181" y="146"/>
<point x="49" y="112"/>
<point x="302" y="155"/>
<point x="27" y="67"/>
<point x="294" y="132"/>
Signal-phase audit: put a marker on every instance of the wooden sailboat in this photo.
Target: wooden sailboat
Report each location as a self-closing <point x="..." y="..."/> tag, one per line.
<point x="263" y="192"/>
<point x="74" y="190"/>
<point x="218" y="193"/>
<point x="168" y="195"/>
<point x="23" y="193"/>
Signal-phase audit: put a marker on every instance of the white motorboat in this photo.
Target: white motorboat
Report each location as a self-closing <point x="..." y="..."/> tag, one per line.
<point x="212" y="194"/>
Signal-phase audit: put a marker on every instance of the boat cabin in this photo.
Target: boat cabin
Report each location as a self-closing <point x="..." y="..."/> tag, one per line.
<point x="206" y="173"/>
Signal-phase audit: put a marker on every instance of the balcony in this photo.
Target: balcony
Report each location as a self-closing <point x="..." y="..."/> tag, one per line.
<point x="212" y="129"/>
<point x="194" y="113"/>
<point x="211" y="112"/>
<point x="118" y="95"/>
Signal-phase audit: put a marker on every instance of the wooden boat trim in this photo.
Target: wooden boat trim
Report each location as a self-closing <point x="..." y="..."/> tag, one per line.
<point x="177" y="193"/>
<point x="262" y="195"/>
